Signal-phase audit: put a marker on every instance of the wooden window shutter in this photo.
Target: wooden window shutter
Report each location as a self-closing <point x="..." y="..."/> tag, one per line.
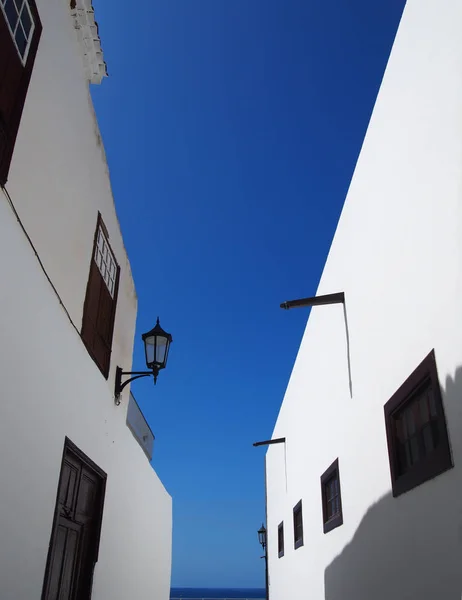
<point x="100" y="303"/>
<point x="90" y="314"/>
<point x="14" y="82"/>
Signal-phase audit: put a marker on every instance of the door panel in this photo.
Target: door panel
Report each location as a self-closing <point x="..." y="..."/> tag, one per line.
<point x="57" y="562"/>
<point x="75" y="537"/>
<point x="64" y="560"/>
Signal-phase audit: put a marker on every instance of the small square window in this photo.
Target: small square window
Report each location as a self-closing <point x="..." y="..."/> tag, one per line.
<point x="106" y="262"/>
<point x="418" y="444"/>
<point x="281" y="540"/>
<point x="331" y="498"/>
<point x="20" y="23"/>
<point x="21" y="40"/>
<point x="26" y="20"/>
<point x="298" y="525"/>
<point x="11" y="13"/>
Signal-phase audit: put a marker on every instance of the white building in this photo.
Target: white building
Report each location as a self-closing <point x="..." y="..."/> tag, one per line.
<point x="67" y="319"/>
<point x="364" y="497"/>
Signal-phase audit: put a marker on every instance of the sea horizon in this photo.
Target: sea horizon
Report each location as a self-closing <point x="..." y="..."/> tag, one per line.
<point x="216" y="593"/>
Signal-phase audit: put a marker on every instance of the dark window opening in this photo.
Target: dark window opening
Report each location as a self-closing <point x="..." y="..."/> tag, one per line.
<point x="281" y="540"/>
<point x="418" y="443"/>
<point x="416" y="428"/>
<point x="331" y="498"/>
<point x="20" y="31"/>
<point x="298" y="525"/>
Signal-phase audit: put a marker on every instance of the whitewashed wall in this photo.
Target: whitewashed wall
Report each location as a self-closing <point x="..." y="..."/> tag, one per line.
<point x="49" y="385"/>
<point x="397" y="255"/>
<point x="59" y="177"/>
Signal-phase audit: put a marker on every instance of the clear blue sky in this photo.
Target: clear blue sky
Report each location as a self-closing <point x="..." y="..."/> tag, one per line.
<point x="232" y="128"/>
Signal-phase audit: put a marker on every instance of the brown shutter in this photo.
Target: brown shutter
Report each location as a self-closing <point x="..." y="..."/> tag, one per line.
<point x="14" y="81"/>
<point x="103" y="338"/>
<point x="99" y="314"/>
<point x="90" y="312"/>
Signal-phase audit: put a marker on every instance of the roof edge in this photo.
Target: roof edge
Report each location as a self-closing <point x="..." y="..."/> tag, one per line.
<point x="86" y="28"/>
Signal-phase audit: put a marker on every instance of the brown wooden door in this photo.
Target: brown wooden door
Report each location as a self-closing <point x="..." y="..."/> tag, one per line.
<point x="75" y="537"/>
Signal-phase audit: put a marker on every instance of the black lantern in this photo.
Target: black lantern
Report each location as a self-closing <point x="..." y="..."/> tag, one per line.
<point x="262" y="540"/>
<point x="156" y="346"/>
<point x="262" y="536"/>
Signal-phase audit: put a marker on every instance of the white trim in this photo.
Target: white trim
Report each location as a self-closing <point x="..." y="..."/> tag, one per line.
<point x="106" y="261"/>
<point x="23" y="59"/>
<point x="90" y="43"/>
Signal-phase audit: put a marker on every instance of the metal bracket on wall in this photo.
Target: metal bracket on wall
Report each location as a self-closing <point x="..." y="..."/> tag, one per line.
<point x="119" y="386"/>
<point x="337" y="298"/>
<point x="269" y="442"/>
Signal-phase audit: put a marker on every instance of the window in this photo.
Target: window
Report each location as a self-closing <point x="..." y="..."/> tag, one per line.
<point x="418" y="444"/>
<point x="100" y="300"/>
<point x="21" y="24"/>
<point x="20" y="31"/>
<point x="281" y="540"/>
<point x="298" y="526"/>
<point x="105" y="260"/>
<point x="331" y="498"/>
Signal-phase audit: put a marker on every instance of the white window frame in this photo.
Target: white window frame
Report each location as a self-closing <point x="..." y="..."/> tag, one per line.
<point x="105" y="260"/>
<point x="24" y="5"/>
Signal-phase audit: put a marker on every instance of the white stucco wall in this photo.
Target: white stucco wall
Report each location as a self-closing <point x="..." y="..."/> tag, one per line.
<point x="51" y="388"/>
<point x="59" y="177"/>
<point x="397" y="255"/>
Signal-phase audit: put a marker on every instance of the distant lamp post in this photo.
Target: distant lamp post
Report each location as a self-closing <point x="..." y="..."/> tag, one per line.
<point x="262" y="536"/>
<point x="263" y="542"/>
<point x="156" y="346"/>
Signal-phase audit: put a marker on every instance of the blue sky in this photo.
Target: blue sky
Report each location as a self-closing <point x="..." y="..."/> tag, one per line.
<point x="232" y="128"/>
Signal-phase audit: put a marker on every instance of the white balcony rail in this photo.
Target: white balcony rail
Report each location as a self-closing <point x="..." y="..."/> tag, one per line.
<point x="139" y="427"/>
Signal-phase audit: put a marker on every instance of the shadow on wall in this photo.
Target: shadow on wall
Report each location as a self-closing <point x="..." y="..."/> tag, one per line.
<point x="410" y="547"/>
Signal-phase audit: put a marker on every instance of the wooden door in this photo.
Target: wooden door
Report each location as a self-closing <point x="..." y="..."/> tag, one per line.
<point x="74" y="542"/>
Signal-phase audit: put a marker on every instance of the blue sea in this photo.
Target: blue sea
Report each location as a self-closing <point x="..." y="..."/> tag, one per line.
<point x="217" y="593"/>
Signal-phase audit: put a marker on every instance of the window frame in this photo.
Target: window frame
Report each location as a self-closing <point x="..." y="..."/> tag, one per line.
<point x="281" y="539"/>
<point x="93" y="264"/>
<point x="15" y="87"/>
<point x="440" y="460"/>
<point x="330" y="523"/>
<point x="298" y="509"/>
<point x="96" y="250"/>
<point x="30" y="37"/>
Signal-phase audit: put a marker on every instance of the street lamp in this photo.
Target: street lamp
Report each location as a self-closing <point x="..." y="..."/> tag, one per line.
<point x="262" y="536"/>
<point x="263" y="541"/>
<point x="156" y="346"/>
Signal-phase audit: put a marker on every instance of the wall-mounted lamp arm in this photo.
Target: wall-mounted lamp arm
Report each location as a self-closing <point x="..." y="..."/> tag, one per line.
<point x="119" y="386"/>
<point x="337" y="298"/>
<point x="269" y="442"/>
